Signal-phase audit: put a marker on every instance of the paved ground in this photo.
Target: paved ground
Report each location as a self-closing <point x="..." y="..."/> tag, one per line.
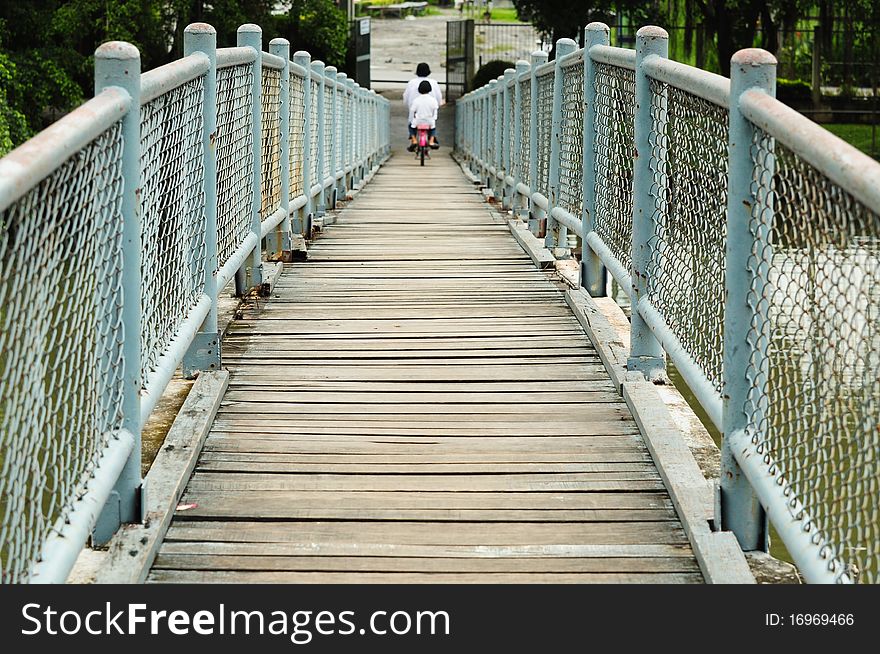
<point x="397" y="47"/>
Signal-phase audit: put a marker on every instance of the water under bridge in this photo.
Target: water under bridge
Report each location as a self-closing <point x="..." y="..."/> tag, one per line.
<point x="424" y="375"/>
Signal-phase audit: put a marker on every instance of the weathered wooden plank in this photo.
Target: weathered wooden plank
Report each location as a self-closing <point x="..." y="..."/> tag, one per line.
<point x="465" y="461"/>
<point x="399" y="533"/>
<point x="232" y="577"/>
<point x="255" y="441"/>
<point x="243" y="508"/>
<point x="580" y="482"/>
<point x="133" y="548"/>
<point x="427" y="550"/>
<point x="248" y="464"/>
<point x="477" y="500"/>
<point x="450" y="412"/>
<point x="267" y="356"/>
<point x="442" y="400"/>
<point x="285" y="428"/>
<point x="423" y="564"/>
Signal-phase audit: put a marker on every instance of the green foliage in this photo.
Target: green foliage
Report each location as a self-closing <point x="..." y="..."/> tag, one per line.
<point x="793" y="91"/>
<point x="864" y="137"/>
<point x="489" y="71"/>
<point x="563" y="18"/>
<point x="13" y="124"/>
<point x="317" y="26"/>
<point x="47" y="46"/>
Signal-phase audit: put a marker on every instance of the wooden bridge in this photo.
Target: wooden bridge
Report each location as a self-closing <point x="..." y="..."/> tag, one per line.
<point x="435" y="388"/>
<point x="417" y="403"/>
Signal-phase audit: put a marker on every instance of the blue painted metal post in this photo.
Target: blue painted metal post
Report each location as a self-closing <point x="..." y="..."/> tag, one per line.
<point x="646" y="353"/>
<point x="320" y="205"/>
<point x="354" y="136"/>
<point x="361" y="134"/>
<point x="342" y="91"/>
<point x="594" y="277"/>
<point x="506" y="144"/>
<point x="745" y="277"/>
<point x="557" y="235"/>
<point x="204" y="353"/>
<point x="495" y="90"/>
<point x="301" y="225"/>
<point x="519" y="203"/>
<point x="278" y="242"/>
<point x="330" y="73"/>
<point x="350" y="131"/>
<point x="118" y="64"/>
<point x="485" y="107"/>
<point x="536" y="214"/>
<point x="250" y="35"/>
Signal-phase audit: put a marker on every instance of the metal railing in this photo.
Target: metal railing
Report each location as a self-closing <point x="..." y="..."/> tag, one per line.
<point x="748" y="240"/>
<point x="118" y="226"/>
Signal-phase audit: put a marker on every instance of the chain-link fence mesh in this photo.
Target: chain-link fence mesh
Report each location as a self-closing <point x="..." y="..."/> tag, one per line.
<point x="571" y="139"/>
<point x="544" y="120"/>
<point x="815" y="390"/>
<point x="328" y="130"/>
<point x="613" y="152"/>
<point x="337" y="140"/>
<point x="297" y="129"/>
<point x="688" y="161"/>
<point x="525" y="140"/>
<point x="60" y="343"/>
<point x="313" y="137"/>
<point x="508" y="155"/>
<point x="235" y="158"/>
<point x="270" y="142"/>
<point x="172" y="215"/>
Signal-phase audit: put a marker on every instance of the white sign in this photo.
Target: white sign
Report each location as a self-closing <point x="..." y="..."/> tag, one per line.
<point x="365" y="26"/>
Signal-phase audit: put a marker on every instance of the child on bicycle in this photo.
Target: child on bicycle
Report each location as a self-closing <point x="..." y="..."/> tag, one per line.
<point x="423" y="111"/>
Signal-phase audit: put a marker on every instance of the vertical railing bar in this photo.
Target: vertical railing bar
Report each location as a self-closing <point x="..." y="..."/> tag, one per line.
<point x="594" y="277"/>
<point x="331" y="74"/>
<point x="278" y="242"/>
<point x="304" y="60"/>
<point x="557" y="234"/>
<point x="204" y="352"/>
<point x="741" y="511"/>
<point x="518" y="202"/>
<point x="495" y="90"/>
<point x="349" y="134"/>
<point x="320" y="206"/>
<point x="342" y="182"/>
<point x="118" y="64"/>
<point x="536" y="214"/>
<point x="506" y="145"/>
<point x="250" y="35"/>
<point x="646" y="353"/>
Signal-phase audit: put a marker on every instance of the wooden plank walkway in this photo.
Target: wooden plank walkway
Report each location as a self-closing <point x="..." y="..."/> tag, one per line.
<point x="418" y="404"/>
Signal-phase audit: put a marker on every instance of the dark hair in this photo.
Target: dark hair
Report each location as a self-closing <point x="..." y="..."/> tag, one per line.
<point x="423" y="70"/>
<point x="425" y="87"/>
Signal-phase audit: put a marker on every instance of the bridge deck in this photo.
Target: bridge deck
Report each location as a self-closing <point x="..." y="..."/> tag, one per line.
<point x="418" y="404"/>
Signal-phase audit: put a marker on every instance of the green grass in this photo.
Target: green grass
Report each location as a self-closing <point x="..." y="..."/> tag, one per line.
<point x="858" y="136"/>
<point x="505" y="15"/>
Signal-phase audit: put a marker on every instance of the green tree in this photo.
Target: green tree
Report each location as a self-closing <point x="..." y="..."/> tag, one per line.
<point x="317" y="26"/>
<point x="563" y="18"/>
<point x="13" y="124"/>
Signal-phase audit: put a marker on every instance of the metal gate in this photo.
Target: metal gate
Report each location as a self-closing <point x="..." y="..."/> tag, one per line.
<point x="359" y="52"/>
<point x="459" y="57"/>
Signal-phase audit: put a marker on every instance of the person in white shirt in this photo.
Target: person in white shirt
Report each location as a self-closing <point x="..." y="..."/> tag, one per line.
<point x="423" y="111"/>
<point x="423" y="72"/>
